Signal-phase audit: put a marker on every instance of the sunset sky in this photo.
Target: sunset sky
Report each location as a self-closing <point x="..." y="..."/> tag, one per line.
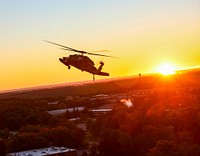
<point x="143" y="34"/>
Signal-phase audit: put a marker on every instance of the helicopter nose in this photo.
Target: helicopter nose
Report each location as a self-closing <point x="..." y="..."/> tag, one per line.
<point x="62" y="60"/>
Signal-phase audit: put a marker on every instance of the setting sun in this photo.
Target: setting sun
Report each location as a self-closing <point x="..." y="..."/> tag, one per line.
<point x="166" y="69"/>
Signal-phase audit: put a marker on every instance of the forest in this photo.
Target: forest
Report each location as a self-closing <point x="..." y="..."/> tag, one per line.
<point x="164" y="122"/>
<point x="165" y="126"/>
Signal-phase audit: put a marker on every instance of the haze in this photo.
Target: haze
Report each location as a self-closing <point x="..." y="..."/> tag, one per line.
<point x="143" y="34"/>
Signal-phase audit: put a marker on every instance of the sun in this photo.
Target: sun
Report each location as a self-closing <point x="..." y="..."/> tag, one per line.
<point x="166" y="69"/>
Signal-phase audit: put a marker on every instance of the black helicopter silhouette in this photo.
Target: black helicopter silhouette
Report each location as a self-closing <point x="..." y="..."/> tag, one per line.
<point x="82" y="62"/>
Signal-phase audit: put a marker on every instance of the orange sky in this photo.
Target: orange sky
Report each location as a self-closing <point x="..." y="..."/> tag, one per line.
<point x="143" y="34"/>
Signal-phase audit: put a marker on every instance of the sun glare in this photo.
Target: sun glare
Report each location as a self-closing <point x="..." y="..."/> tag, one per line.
<point x="166" y="69"/>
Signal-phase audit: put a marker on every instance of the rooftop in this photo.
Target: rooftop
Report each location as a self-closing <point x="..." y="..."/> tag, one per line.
<point x="42" y="151"/>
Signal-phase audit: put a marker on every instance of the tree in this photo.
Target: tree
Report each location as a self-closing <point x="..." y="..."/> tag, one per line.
<point x="13" y="121"/>
<point x="93" y="150"/>
<point x="164" y="148"/>
<point x="54" y="121"/>
<point x="109" y="143"/>
<point x="2" y="148"/>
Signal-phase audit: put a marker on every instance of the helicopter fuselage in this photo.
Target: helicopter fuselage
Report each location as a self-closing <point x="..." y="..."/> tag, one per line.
<point x="83" y="63"/>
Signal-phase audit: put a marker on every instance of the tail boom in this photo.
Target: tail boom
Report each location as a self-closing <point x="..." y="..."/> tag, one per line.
<point x="103" y="74"/>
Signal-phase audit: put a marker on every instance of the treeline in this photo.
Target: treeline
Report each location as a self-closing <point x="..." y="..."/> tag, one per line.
<point x="185" y="79"/>
<point x="164" y="124"/>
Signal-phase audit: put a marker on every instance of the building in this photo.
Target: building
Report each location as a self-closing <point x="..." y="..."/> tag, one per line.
<point x="62" y="111"/>
<point x="51" y="151"/>
<point x="101" y="111"/>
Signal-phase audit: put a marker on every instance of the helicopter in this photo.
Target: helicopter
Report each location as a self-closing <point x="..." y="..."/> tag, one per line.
<point x="82" y="62"/>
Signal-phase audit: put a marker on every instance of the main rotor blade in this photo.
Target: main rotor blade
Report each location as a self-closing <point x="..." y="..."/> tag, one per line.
<point x="100" y="55"/>
<point x="78" y="51"/>
<point x="65" y="47"/>
<point x="97" y="51"/>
